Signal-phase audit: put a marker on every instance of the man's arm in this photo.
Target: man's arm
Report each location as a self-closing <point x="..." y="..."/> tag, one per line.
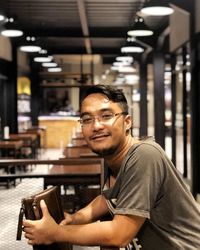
<point x="117" y="232"/>
<point x="92" y="212"/>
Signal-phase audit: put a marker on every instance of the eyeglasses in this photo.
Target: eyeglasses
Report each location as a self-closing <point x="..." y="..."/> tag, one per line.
<point x="102" y="118"/>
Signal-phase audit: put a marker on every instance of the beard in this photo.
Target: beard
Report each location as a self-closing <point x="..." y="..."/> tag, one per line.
<point x="105" y="151"/>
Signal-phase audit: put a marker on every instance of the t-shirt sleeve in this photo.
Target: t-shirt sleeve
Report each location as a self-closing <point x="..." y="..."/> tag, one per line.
<point x="140" y="181"/>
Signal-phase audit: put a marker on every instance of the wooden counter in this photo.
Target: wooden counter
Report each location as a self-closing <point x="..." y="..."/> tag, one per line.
<point x="59" y="130"/>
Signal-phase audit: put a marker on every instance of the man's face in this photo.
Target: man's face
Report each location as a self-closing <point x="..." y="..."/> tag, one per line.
<point x="103" y="136"/>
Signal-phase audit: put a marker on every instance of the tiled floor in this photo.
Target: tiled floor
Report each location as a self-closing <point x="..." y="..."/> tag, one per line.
<point x="10" y="201"/>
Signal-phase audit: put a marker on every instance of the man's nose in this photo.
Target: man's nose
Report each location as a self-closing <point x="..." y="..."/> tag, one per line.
<point x="97" y="122"/>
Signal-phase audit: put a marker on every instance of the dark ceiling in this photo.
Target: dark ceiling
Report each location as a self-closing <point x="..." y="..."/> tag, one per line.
<point x="82" y="26"/>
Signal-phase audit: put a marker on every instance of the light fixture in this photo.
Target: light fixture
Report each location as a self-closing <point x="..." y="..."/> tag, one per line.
<point x="43" y="59"/>
<point x="126" y="69"/>
<point x="10" y="29"/>
<point x="124" y="59"/>
<point x="2" y="17"/>
<point x="30" y="45"/>
<point x="132" y="48"/>
<point x="49" y="64"/>
<point x="30" y="48"/>
<point x="140" y="29"/>
<point x="132" y="78"/>
<point x="157" y="8"/>
<point x="121" y="63"/>
<point x="58" y="69"/>
<point x="123" y="69"/>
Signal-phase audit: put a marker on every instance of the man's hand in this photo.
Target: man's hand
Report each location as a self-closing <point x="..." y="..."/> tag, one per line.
<point x="41" y="231"/>
<point x="68" y="219"/>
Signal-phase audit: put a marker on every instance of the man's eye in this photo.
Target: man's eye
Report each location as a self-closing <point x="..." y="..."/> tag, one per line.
<point x="87" y="120"/>
<point x="107" y="116"/>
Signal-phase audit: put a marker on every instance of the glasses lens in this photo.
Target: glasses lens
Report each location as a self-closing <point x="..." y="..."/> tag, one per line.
<point x="103" y="118"/>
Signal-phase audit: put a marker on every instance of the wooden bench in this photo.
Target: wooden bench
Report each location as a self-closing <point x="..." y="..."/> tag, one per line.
<point x="78" y="141"/>
<point x="77" y="151"/>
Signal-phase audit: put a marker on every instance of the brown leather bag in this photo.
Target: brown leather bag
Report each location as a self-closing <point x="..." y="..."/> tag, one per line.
<point x="31" y="209"/>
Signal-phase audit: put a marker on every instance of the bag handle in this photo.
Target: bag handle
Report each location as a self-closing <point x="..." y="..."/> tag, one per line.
<point x="19" y="227"/>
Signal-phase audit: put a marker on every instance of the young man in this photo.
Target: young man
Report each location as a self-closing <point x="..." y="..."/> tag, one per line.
<point x="148" y="199"/>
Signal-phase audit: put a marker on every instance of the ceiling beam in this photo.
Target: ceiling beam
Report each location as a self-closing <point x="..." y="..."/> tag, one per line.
<point x="84" y="25"/>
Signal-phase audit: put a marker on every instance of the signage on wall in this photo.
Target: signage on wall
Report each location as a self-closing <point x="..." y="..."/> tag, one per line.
<point x="24" y="93"/>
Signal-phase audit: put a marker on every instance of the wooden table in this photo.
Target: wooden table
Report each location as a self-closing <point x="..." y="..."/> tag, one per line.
<point x="65" y="167"/>
<point x="81" y="173"/>
<point x="9" y="146"/>
<point x="9" y="149"/>
<point x="29" y="141"/>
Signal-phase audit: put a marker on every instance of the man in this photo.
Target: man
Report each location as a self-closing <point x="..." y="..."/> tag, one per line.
<point x="148" y="199"/>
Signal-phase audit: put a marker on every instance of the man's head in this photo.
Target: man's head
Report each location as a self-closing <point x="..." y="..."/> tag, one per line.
<point x="113" y="94"/>
<point x="104" y="119"/>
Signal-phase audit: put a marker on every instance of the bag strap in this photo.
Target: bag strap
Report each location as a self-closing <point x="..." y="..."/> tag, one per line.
<point x="19" y="227"/>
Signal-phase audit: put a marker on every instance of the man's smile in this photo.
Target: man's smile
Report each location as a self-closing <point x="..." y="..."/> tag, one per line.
<point x="99" y="137"/>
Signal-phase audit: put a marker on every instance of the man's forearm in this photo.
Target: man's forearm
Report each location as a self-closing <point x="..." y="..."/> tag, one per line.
<point x="92" y="212"/>
<point x="93" y="234"/>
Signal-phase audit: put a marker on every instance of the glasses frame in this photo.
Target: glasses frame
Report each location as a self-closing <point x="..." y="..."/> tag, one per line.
<point x="98" y="117"/>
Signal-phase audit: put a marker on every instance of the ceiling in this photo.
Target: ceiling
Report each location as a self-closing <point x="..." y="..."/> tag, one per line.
<point x="66" y="27"/>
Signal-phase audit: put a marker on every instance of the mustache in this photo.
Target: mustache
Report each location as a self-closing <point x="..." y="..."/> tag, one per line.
<point x="99" y="134"/>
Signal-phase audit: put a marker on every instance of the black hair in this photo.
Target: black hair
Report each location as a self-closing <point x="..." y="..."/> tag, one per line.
<point x="114" y="94"/>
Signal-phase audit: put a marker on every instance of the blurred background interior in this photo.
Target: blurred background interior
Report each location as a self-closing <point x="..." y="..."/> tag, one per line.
<point x="51" y="51"/>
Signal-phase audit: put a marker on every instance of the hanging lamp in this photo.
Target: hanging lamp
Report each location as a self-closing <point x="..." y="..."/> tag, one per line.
<point x="132" y="47"/>
<point x="157" y="8"/>
<point x="2" y="17"/>
<point x="10" y="29"/>
<point x="30" y="45"/>
<point x="140" y="28"/>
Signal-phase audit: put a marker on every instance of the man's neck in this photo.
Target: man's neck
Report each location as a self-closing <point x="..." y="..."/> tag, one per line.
<point x="114" y="162"/>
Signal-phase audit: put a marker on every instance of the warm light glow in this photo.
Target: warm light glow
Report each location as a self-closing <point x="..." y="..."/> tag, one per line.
<point x="49" y="64"/>
<point x="131" y="49"/>
<point x="54" y="70"/>
<point x="157" y="11"/>
<point x="114" y="68"/>
<point x="11" y="33"/>
<point x="126" y="69"/>
<point x="43" y="59"/>
<point x="140" y="32"/>
<point x="30" y="48"/>
<point x="122" y="63"/>
<point x="125" y="58"/>
<point x="132" y="79"/>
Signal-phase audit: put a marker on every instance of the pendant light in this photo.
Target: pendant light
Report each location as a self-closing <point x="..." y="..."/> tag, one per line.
<point x="132" y="47"/>
<point x="10" y="29"/>
<point x="54" y="70"/>
<point x="123" y="58"/>
<point x="2" y="17"/>
<point x="49" y="64"/>
<point x="157" y="8"/>
<point x="43" y="57"/>
<point x="30" y="45"/>
<point x="140" y="28"/>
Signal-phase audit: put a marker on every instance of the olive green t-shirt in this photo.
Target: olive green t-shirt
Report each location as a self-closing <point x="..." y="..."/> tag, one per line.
<point x="149" y="185"/>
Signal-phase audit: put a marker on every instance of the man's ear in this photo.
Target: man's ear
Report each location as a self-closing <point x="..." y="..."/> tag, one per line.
<point x="128" y="122"/>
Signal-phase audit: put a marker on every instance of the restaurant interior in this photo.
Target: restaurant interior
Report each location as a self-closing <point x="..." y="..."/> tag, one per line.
<point x="51" y="51"/>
